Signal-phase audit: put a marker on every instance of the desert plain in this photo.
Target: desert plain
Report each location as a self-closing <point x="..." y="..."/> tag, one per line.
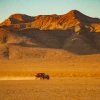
<point x="66" y="47"/>
<point x="68" y="80"/>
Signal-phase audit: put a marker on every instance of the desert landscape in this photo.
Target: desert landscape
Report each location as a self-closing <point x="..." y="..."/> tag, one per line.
<point x="60" y="45"/>
<point x="66" y="88"/>
<point x="66" y="47"/>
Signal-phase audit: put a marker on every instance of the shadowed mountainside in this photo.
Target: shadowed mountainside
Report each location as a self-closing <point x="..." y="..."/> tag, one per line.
<point x="73" y="32"/>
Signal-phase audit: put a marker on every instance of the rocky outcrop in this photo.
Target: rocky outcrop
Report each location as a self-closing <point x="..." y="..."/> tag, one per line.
<point x="72" y="32"/>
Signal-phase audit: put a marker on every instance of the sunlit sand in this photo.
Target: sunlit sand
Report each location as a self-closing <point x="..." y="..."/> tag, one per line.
<point x="54" y="89"/>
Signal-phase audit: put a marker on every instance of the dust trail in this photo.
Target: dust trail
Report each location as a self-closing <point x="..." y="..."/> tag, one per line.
<point x="17" y="78"/>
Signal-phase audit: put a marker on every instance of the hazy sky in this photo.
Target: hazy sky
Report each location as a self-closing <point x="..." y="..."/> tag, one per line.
<point x="38" y="7"/>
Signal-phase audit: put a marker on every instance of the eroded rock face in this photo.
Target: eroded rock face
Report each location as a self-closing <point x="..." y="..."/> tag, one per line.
<point x="73" y="32"/>
<point x="52" y="22"/>
<point x="17" y="19"/>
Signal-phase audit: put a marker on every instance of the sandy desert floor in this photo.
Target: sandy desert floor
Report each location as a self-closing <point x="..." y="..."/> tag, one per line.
<point x="69" y="88"/>
<point x="75" y="79"/>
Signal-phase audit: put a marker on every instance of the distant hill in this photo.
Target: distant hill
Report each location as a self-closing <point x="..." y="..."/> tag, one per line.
<point x="73" y="32"/>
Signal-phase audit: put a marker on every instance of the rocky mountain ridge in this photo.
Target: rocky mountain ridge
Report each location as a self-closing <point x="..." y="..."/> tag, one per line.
<point x="73" y="32"/>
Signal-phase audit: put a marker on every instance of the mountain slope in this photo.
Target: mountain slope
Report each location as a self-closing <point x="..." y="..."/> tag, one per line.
<point x="73" y="32"/>
<point x="51" y="22"/>
<point x="17" y="19"/>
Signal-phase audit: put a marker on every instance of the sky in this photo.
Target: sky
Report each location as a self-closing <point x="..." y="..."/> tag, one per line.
<point x="46" y="7"/>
